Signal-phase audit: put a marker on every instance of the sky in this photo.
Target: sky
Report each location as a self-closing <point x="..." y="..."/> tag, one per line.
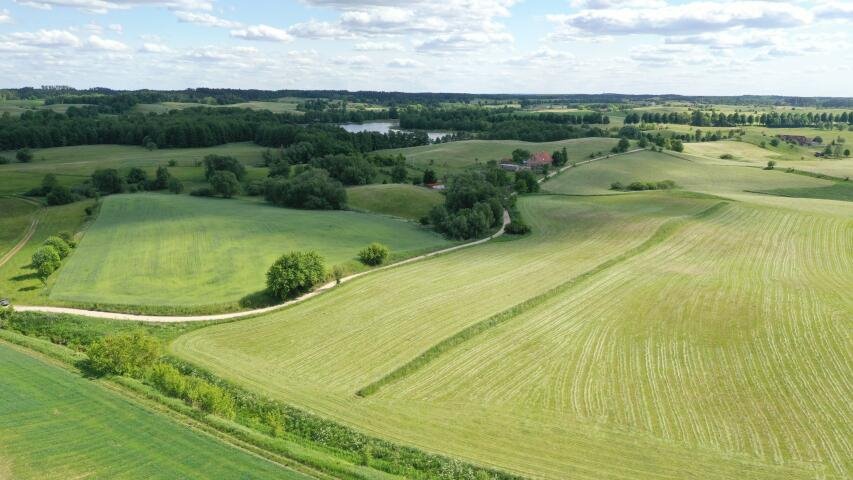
<point x="782" y="47"/>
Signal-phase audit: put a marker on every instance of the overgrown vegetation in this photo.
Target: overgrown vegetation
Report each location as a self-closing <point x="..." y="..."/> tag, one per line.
<point x="295" y="273"/>
<point x="640" y="186"/>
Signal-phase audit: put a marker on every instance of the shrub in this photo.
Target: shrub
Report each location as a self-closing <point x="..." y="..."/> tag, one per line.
<point x="61" y="195"/>
<point x="173" y="163"/>
<point x="525" y="182"/>
<point x="224" y="184"/>
<point x="46" y="260"/>
<point x="637" y="186"/>
<point x="617" y="186"/>
<point x="348" y="169"/>
<point x="62" y="248"/>
<point x="68" y="238"/>
<point x="774" y="142"/>
<point x="295" y="273"/>
<point x="161" y="178"/>
<point x="676" y="145"/>
<point x="175" y="186"/>
<point x="429" y="177"/>
<point x="727" y="156"/>
<point x="24" y="155"/>
<point x="209" y="398"/>
<point x="622" y="146"/>
<point x="311" y="189"/>
<point x="771" y="165"/>
<point x="665" y="185"/>
<point x="202" y="192"/>
<point x="136" y="175"/>
<point x="517" y="227"/>
<point x="167" y="379"/>
<point x="373" y="254"/>
<point x="399" y="174"/>
<point x="127" y="354"/>
<point x="107" y="181"/>
<point x="4" y="160"/>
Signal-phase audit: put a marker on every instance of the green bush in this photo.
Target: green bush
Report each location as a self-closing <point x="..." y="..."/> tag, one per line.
<point x="517" y="227"/>
<point x="617" y="186"/>
<point x="220" y="163"/>
<point x="127" y="354"/>
<point x="46" y="260"/>
<point x="68" y="238"/>
<point x="168" y="380"/>
<point x="175" y="185"/>
<point x="224" y="184"/>
<point x="24" y="155"/>
<point x="209" y="398"/>
<point x="62" y="248"/>
<point x="373" y="254"/>
<point x="61" y="195"/>
<point x="727" y="156"/>
<point x="295" y="273"/>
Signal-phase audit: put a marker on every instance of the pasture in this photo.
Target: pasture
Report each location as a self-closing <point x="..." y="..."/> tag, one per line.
<point x="168" y="250"/>
<point x="458" y="156"/>
<point x="398" y="200"/>
<point x="55" y="424"/>
<point x="282" y="106"/>
<point x="17" y="214"/>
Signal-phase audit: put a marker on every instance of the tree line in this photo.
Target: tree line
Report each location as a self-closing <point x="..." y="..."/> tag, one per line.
<point x="699" y="118"/>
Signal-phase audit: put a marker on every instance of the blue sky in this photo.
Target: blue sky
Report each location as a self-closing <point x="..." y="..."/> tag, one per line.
<point x="787" y="47"/>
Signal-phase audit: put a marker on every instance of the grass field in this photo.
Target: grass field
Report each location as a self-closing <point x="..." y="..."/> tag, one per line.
<point x="57" y="425"/>
<point x="457" y="156"/>
<point x="16" y="216"/>
<point x="705" y="175"/>
<point x="73" y="165"/>
<point x="165" y="107"/>
<point x="399" y="200"/>
<point x="216" y="251"/>
<point x="632" y="336"/>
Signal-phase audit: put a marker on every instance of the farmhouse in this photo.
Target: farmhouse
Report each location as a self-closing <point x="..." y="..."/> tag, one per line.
<point x="512" y="167"/>
<point x="539" y="160"/>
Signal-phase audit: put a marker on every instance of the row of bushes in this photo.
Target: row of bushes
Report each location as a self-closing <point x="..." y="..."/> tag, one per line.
<point x="639" y="186"/>
<point x="49" y="256"/>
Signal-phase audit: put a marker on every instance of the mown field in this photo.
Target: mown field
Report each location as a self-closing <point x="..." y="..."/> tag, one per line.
<point x="57" y="425"/>
<point x="17" y="214"/>
<point x="161" y="249"/>
<point x="73" y="165"/>
<point x="458" y="156"/>
<point x="398" y="200"/>
<point x="644" y="335"/>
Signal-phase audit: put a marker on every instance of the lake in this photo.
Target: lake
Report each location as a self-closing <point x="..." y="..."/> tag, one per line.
<point x="383" y="126"/>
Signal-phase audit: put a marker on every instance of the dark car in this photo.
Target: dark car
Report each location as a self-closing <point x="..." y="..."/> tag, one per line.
<point x="4" y="302"/>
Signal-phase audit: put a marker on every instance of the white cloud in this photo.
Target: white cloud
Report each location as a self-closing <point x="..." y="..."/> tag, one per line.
<point x="600" y="4"/>
<point x="5" y="16"/>
<point x="205" y="19"/>
<point x="46" y="38"/>
<point x="378" y="46"/>
<point x="99" y="43"/>
<point x="317" y="30"/>
<point x="116" y="27"/>
<point x="262" y="33"/>
<point x="687" y="19"/>
<point x="545" y="56"/>
<point x="104" y="6"/>
<point x="728" y="39"/>
<point x="456" y="42"/>
<point x="834" y="11"/>
<point x="150" y="47"/>
<point x="404" y="63"/>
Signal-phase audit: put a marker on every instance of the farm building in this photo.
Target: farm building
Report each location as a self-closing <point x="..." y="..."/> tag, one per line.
<point x="512" y="167"/>
<point x="539" y="160"/>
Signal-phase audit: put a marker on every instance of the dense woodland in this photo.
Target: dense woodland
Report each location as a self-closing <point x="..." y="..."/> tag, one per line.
<point x="700" y="118"/>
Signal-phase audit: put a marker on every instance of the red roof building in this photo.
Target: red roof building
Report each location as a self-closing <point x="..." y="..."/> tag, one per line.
<point x="539" y="159"/>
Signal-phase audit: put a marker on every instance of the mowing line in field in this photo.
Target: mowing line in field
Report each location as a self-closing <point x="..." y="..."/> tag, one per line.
<point x="662" y="233"/>
<point x="11" y="253"/>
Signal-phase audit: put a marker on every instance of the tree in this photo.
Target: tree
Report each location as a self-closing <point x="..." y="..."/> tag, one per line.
<point x="175" y="185"/>
<point x="107" y="181"/>
<point x="311" y="189"/>
<point x="771" y="164"/>
<point x="127" y="354"/>
<point x="560" y="157"/>
<point x="520" y="155"/>
<point x="161" y="178"/>
<point x="24" y="155"/>
<point x="429" y="177"/>
<point x="525" y="182"/>
<point x="62" y="248"/>
<point x="45" y="261"/>
<point x="216" y="163"/>
<point x="295" y="273"/>
<point x="622" y="146"/>
<point x="136" y="175"/>
<point x="676" y="145"/>
<point x="224" y="183"/>
<point x="399" y="174"/>
<point x="48" y="183"/>
<point x="373" y="254"/>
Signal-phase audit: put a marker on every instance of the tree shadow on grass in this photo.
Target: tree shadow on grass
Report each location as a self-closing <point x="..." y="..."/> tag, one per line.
<point x="261" y="299"/>
<point x="25" y="276"/>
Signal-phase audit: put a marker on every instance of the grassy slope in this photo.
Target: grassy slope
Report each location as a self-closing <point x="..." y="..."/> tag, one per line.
<point x="17" y="281"/>
<point x="57" y="425"/>
<point x="164" y="107"/>
<point x="798" y="158"/>
<point x="456" y="156"/>
<point x="691" y="173"/>
<point x="15" y="218"/>
<point x="399" y="200"/>
<point x="216" y="251"/>
<point x="73" y="165"/>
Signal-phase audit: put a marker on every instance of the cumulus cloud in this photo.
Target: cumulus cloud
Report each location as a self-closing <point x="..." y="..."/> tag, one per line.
<point x="729" y="39"/>
<point x="46" y="38"/>
<point x="5" y="16"/>
<point x="104" y="6"/>
<point x="262" y="33"/>
<point x="544" y="56"/>
<point x="404" y="63"/>
<point x="456" y="42"/>
<point x="116" y="27"/>
<point x="319" y="30"/>
<point x="684" y="19"/>
<point x="205" y="19"/>
<point x="599" y="4"/>
<point x="150" y="47"/>
<point x="834" y="11"/>
<point x="98" y="43"/>
<point x="378" y="46"/>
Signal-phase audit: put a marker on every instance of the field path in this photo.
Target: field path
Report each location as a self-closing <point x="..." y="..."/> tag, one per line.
<point x="11" y="253"/>
<point x="234" y="315"/>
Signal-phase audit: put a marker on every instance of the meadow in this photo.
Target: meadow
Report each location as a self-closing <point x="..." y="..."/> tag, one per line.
<point x="398" y="200"/>
<point x="454" y="157"/>
<point x="281" y="106"/>
<point x="216" y="251"/>
<point x="14" y="221"/>
<point x="631" y="335"/>
<point x="55" y="424"/>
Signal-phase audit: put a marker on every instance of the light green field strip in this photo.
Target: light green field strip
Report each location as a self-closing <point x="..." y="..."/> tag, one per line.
<point x="399" y="200"/>
<point x="748" y="153"/>
<point x="159" y="249"/>
<point x="732" y="336"/>
<point x="455" y="156"/>
<point x="57" y="425"/>
<point x="16" y="216"/>
<point x="713" y="177"/>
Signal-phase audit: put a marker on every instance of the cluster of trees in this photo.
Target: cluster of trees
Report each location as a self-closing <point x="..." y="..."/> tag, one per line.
<point x="701" y="118"/>
<point x="107" y="181"/>
<point x="640" y="186"/>
<point x="472" y="207"/>
<point x="310" y="188"/>
<point x="295" y="273"/>
<point x="47" y="258"/>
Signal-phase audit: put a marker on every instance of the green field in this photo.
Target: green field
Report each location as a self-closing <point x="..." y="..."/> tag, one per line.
<point x="633" y="336"/>
<point x="57" y="425"/>
<point x="457" y="156"/>
<point x="282" y="106"/>
<point x="73" y="165"/>
<point x="16" y="216"/>
<point x="159" y="249"/>
<point x="398" y="200"/>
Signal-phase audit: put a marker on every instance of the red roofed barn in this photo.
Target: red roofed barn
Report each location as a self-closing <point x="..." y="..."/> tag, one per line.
<point x="539" y="159"/>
